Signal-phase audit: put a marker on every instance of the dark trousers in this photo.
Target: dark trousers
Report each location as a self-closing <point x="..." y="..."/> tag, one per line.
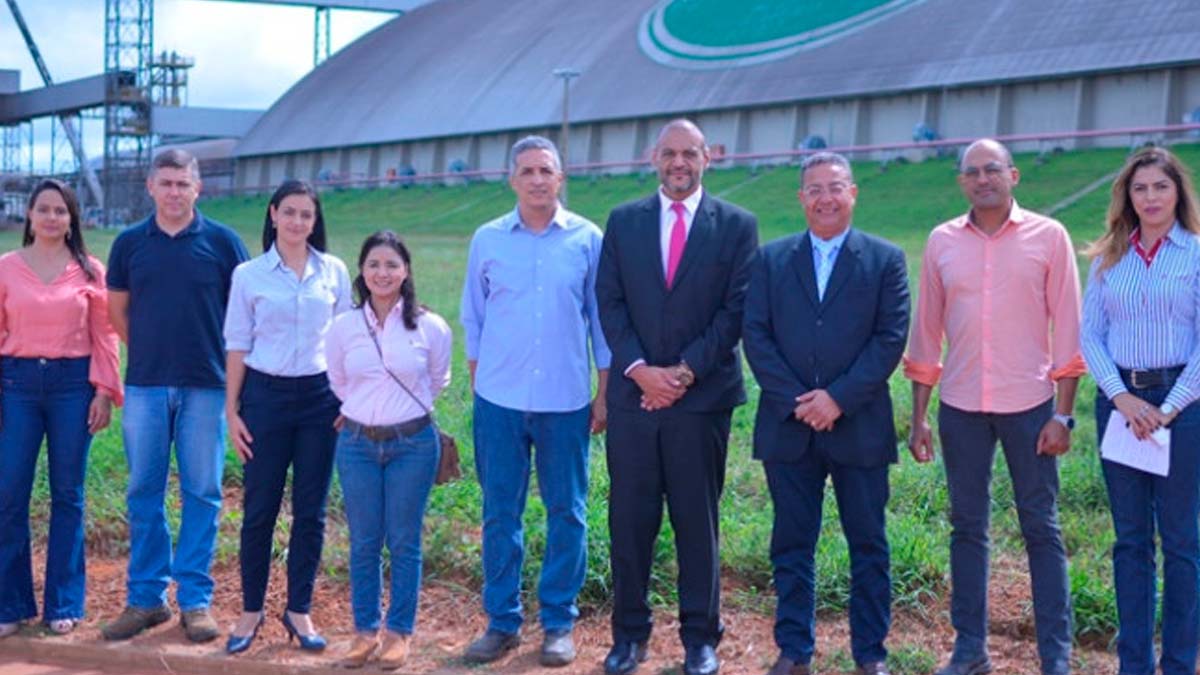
<point x="1144" y="505"/>
<point x="968" y="448"/>
<point x="681" y="456"/>
<point x="798" y="492"/>
<point x="291" y="420"/>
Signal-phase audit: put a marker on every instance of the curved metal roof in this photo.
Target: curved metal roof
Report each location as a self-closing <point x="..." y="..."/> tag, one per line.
<point x="457" y="67"/>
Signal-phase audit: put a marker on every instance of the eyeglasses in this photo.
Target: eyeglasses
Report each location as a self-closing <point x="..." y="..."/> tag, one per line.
<point x="991" y="170"/>
<point x="833" y="190"/>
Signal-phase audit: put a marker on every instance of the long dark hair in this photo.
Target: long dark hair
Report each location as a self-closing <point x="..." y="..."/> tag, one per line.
<point x="408" y="291"/>
<point x="74" y="235"/>
<point x="291" y="186"/>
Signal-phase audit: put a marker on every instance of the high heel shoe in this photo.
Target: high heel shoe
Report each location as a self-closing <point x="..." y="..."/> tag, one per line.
<point x="240" y="643"/>
<point x="310" y="643"/>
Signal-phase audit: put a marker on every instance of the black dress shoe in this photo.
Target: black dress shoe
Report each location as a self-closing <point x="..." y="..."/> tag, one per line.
<point x="624" y="657"/>
<point x="700" y="660"/>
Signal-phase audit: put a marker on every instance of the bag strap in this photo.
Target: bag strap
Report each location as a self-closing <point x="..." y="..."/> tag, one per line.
<point x="379" y="350"/>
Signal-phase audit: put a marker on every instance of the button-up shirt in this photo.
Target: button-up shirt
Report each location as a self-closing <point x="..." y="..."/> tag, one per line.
<point x="1008" y="306"/>
<point x="666" y="220"/>
<point x="529" y="309"/>
<point x="420" y="358"/>
<point x="279" y="320"/>
<point x="66" y="318"/>
<point x="825" y="253"/>
<point x="1138" y="316"/>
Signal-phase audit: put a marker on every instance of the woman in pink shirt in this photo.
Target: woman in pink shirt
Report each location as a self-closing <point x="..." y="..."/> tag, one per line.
<point x="388" y="360"/>
<point x="59" y="377"/>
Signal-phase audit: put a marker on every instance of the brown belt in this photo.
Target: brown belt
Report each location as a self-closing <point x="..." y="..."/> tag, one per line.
<point x="386" y="432"/>
<point x="1152" y="378"/>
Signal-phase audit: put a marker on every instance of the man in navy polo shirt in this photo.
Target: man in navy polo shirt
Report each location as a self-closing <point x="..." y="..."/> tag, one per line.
<point x="168" y="283"/>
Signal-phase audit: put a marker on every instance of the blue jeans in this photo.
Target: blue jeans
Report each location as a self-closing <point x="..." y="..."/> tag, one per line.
<point x="502" y="461"/>
<point x="1140" y="502"/>
<point x="193" y="419"/>
<point x="43" y="397"/>
<point x="968" y="447"/>
<point x="385" y="487"/>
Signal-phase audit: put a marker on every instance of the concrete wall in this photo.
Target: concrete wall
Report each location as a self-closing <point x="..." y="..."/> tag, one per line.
<point x="1102" y="101"/>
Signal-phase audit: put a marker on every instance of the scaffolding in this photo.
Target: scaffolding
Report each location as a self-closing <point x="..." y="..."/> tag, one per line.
<point x="128" y="47"/>
<point x="169" y="79"/>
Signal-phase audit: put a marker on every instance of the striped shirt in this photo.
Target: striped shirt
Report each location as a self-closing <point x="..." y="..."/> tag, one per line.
<point x="1139" y="316"/>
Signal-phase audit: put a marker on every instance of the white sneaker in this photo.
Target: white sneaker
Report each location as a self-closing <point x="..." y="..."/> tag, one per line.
<point x="7" y="629"/>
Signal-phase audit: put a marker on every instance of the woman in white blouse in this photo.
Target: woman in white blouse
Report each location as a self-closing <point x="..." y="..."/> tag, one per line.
<point x="388" y="361"/>
<point x="279" y="404"/>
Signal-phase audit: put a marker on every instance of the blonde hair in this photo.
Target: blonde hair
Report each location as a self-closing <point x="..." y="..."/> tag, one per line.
<point x="1122" y="220"/>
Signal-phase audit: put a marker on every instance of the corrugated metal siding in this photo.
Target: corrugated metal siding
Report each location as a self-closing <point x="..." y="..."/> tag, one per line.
<point x="470" y="66"/>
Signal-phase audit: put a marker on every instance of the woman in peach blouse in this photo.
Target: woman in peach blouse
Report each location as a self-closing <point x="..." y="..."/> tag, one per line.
<point x="59" y="378"/>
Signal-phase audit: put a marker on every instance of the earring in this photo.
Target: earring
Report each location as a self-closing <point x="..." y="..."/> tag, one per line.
<point x="68" y="234"/>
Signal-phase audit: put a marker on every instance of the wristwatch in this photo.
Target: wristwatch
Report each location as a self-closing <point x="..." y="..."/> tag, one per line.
<point x="1065" y="420"/>
<point x="1167" y="409"/>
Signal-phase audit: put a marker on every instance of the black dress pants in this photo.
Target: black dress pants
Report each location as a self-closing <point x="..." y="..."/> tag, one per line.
<point x="680" y="456"/>
<point x="291" y="420"/>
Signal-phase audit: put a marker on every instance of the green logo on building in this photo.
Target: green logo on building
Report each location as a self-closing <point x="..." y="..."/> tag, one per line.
<point x="724" y="33"/>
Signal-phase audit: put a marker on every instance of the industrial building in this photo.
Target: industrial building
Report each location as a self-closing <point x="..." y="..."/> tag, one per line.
<point x="451" y="85"/>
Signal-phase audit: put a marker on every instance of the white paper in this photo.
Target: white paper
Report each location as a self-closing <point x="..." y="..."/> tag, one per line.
<point x="1119" y="445"/>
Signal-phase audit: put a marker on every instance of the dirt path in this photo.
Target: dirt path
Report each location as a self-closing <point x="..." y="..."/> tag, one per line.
<point x="450" y="617"/>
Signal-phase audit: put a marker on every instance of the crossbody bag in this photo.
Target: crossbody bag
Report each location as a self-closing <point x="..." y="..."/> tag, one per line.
<point x="449" y="468"/>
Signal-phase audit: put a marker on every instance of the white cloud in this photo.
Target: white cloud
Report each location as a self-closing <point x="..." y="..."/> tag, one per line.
<point x="247" y="54"/>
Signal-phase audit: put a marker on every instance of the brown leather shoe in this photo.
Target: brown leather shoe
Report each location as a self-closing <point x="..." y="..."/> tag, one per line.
<point x="361" y="650"/>
<point x="786" y="666"/>
<point x="395" y="651"/>
<point x="872" y="668"/>
<point x="135" y="620"/>
<point x="199" y="626"/>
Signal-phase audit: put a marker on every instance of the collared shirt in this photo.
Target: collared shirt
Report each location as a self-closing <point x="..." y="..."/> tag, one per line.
<point x="1008" y="307"/>
<point x="667" y="219"/>
<point x="825" y="253"/>
<point x="420" y="358"/>
<point x="280" y="321"/>
<point x="528" y="310"/>
<point x="178" y="288"/>
<point x="66" y="318"/>
<point x="1139" y="316"/>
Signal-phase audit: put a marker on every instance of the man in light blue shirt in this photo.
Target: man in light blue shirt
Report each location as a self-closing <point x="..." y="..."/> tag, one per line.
<point x="528" y="311"/>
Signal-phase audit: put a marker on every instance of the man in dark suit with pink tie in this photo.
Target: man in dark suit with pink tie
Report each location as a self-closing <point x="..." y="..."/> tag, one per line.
<point x="670" y="287"/>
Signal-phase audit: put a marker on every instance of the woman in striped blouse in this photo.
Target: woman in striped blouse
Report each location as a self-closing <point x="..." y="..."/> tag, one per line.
<point x="1141" y="340"/>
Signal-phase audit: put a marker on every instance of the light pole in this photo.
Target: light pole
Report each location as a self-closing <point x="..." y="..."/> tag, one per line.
<point x="567" y="74"/>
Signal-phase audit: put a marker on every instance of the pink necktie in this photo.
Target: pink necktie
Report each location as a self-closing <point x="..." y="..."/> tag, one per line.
<point x="678" y="239"/>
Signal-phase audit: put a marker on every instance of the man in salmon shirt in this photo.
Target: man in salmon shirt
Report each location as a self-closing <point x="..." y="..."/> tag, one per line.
<point x="1000" y="284"/>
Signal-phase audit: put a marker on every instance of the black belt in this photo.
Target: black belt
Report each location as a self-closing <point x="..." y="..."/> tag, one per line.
<point x="1150" y="378"/>
<point x="387" y="432"/>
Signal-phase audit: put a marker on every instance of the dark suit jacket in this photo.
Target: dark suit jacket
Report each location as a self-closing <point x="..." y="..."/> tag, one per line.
<point x="699" y="320"/>
<point x="848" y="344"/>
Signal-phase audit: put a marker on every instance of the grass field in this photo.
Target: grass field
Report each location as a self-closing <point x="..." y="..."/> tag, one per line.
<point x="900" y="202"/>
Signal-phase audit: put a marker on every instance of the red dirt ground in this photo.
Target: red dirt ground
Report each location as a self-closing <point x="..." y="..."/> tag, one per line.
<point x="450" y="616"/>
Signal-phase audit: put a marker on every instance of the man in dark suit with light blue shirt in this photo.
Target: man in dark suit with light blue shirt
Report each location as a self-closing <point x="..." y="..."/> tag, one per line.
<point x="826" y="318"/>
<point x="670" y="287"/>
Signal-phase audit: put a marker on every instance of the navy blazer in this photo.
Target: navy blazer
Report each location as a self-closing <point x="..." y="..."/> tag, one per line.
<point x="699" y="320"/>
<point x="847" y="344"/>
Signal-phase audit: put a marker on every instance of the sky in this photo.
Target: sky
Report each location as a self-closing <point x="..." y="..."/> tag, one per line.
<point x="247" y="55"/>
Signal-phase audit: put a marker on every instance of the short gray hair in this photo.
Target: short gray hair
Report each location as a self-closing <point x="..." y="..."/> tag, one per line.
<point x="831" y="158"/>
<point x="176" y="158"/>
<point x="533" y="143"/>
